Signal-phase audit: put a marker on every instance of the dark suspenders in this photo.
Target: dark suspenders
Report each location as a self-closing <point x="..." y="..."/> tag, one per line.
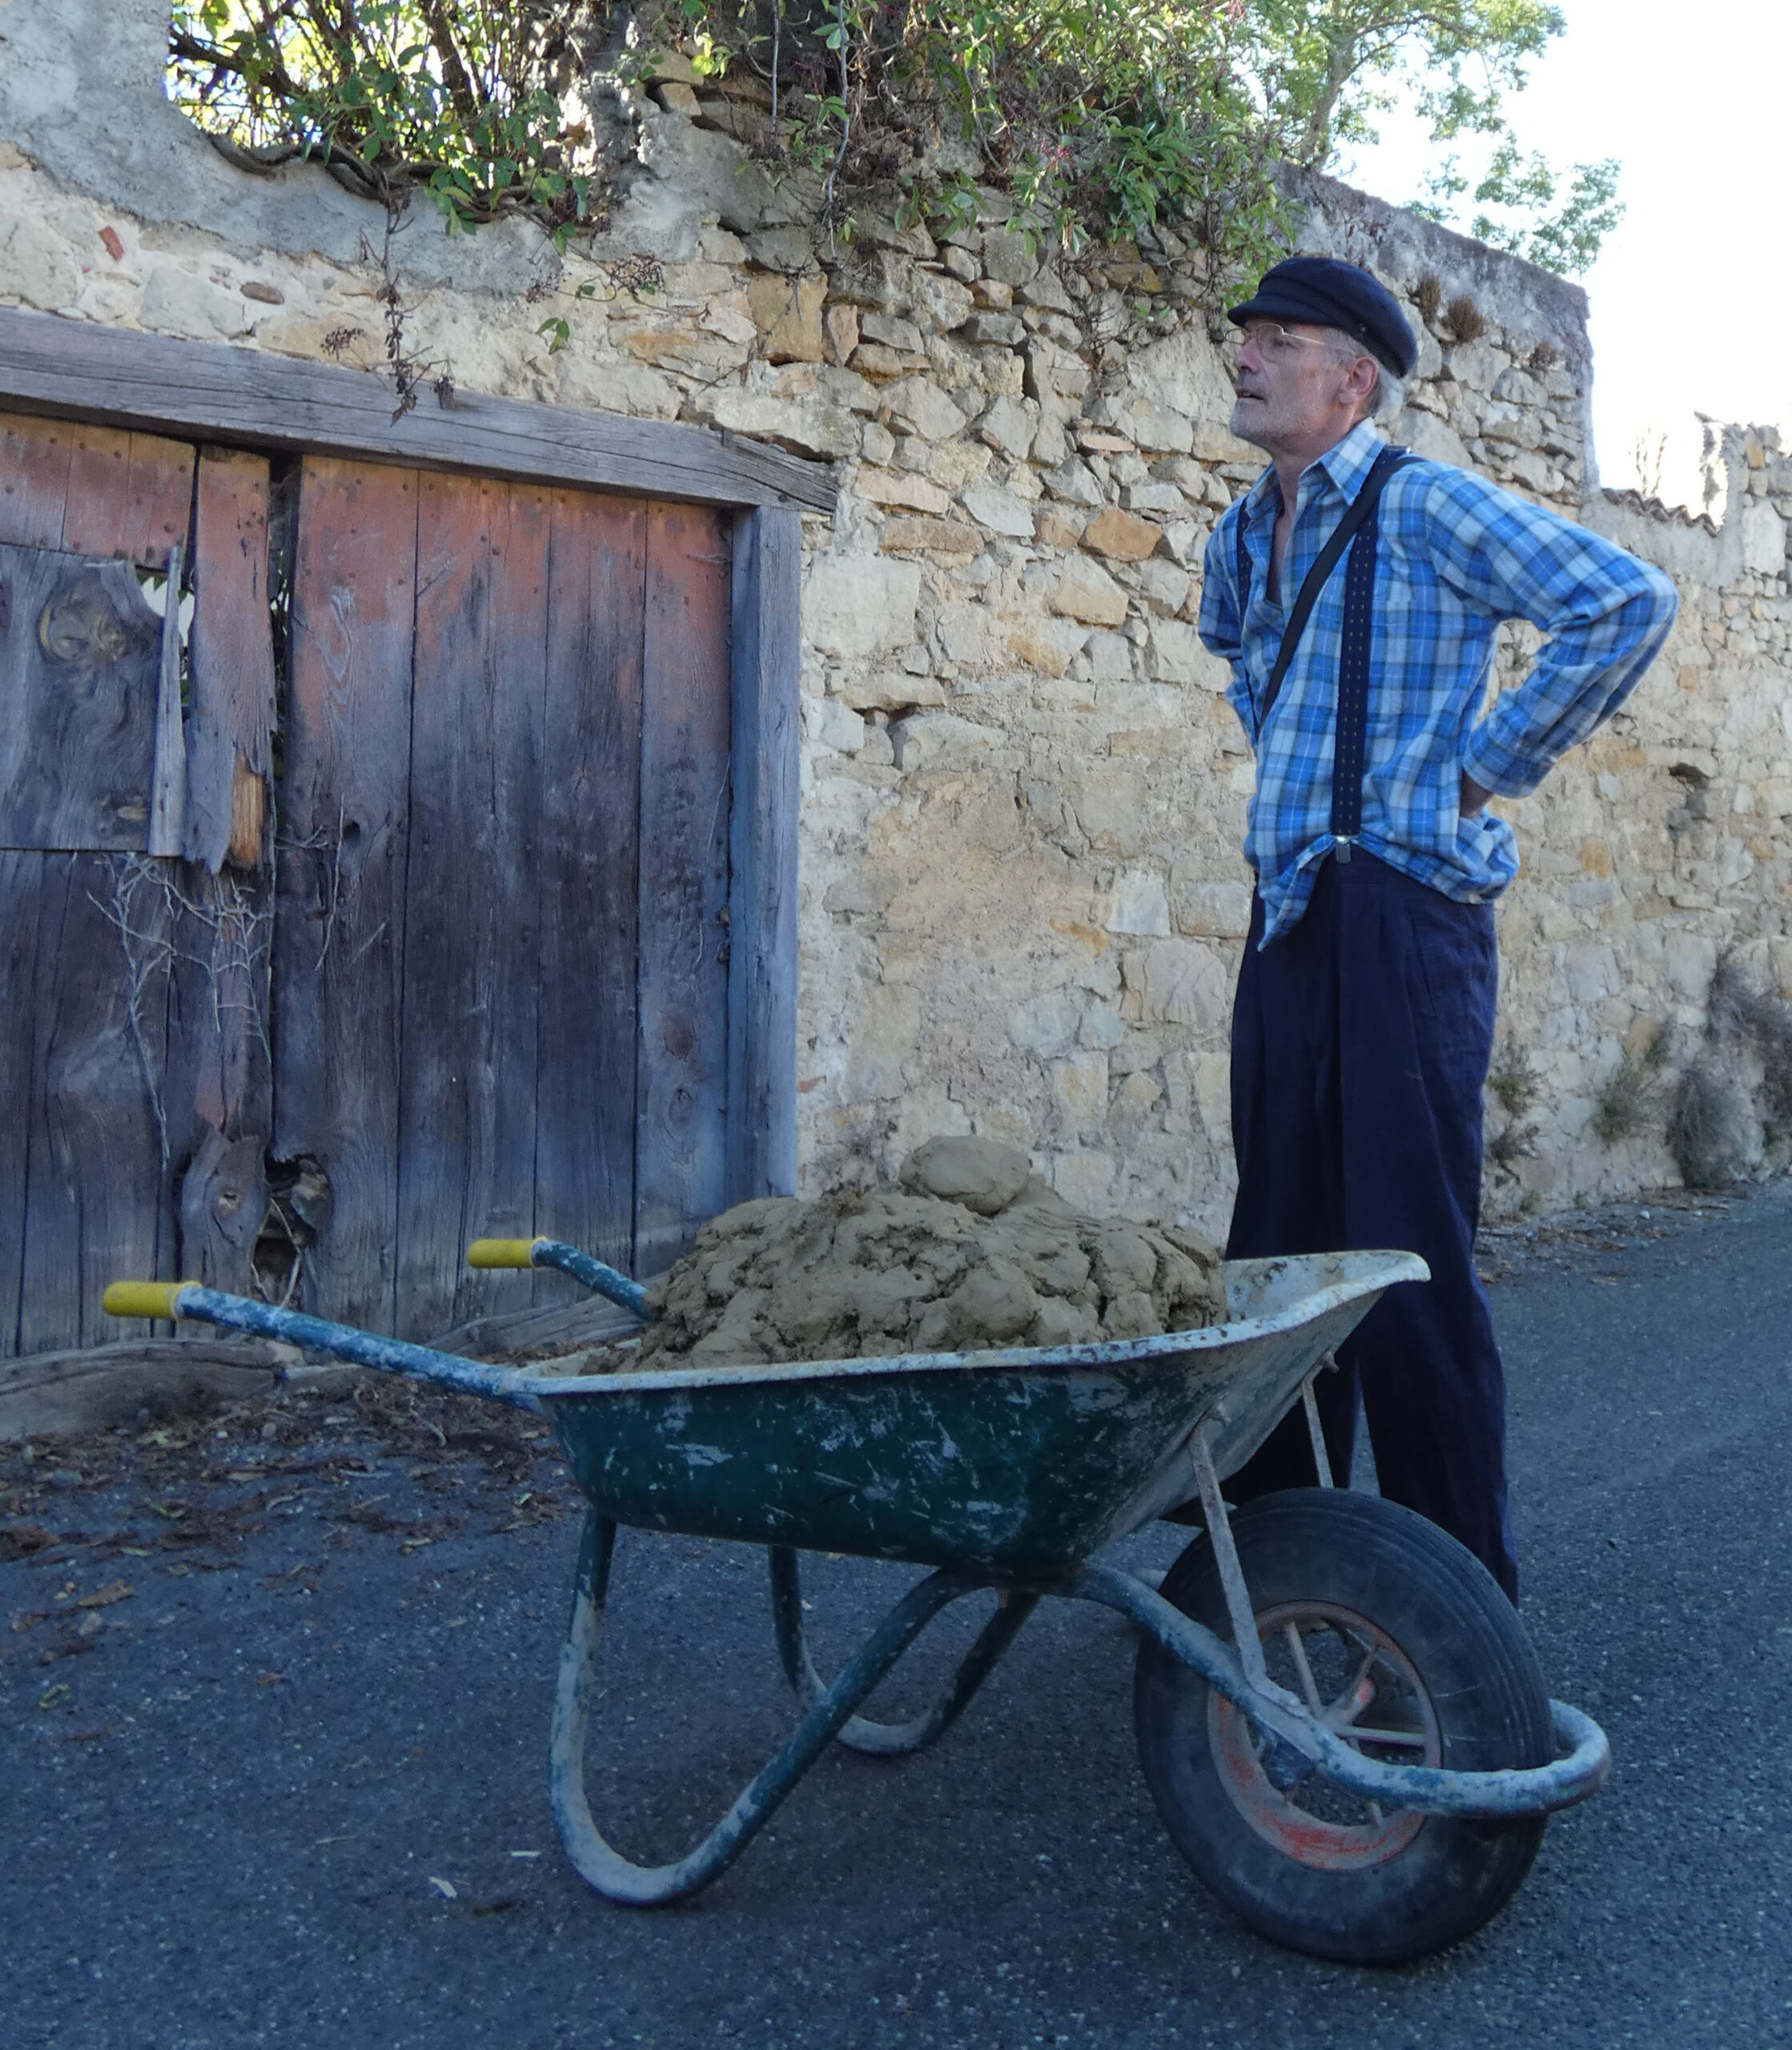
<point x="1358" y="523"/>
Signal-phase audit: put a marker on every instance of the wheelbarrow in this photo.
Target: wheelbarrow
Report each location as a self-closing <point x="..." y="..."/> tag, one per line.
<point x="1339" y="1715"/>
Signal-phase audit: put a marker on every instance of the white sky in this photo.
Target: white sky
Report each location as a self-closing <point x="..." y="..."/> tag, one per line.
<point x="1692" y="294"/>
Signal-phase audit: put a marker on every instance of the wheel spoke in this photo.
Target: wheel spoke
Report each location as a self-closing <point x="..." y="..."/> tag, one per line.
<point x="1308" y="1686"/>
<point x="1413" y="1739"/>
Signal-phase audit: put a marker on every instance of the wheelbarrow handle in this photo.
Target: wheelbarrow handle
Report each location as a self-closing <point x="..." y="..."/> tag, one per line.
<point x="582" y="1266"/>
<point x="317" y="1334"/>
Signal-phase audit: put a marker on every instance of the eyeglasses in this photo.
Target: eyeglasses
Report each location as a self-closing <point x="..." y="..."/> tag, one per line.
<point x="1274" y="342"/>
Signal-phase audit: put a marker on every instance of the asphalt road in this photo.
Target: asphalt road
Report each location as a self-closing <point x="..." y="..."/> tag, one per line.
<point x="233" y="1812"/>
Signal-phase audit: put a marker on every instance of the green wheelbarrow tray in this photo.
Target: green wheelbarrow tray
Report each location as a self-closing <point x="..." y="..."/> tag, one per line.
<point x="1006" y="1470"/>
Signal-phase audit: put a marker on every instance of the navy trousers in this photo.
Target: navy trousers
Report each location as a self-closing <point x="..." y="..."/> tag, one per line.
<point x="1360" y="1045"/>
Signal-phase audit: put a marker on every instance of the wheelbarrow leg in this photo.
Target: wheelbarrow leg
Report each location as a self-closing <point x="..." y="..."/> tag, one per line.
<point x="889" y="1740"/>
<point x="606" y="1871"/>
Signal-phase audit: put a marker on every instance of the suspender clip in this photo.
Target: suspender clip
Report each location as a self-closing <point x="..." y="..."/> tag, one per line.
<point x="1340" y="847"/>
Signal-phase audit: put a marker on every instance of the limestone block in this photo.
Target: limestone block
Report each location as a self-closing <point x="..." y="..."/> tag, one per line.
<point x="1186" y="376"/>
<point x="1102" y="1027"/>
<point x="1165" y="586"/>
<point x="1009" y="255"/>
<point x="945" y="301"/>
<point x="1108" y="799"/>
<point x="885" y="1024"/>
<point x="840" y="388"/>
<point x="177" y="303"/>
<point x="940" y="742"/>
<point x="1511" y="425"/>
<point x="1046" y="288"/>
<point x="1110" y="658"/>
<point x="892" y="330"/>
<point x="1085" y="591"/>
<point x="1049" y="646"/>
<point x="1083" y="1178"/>
<point x="1050" y="445"/>
<point x="1157" y="427"/>
<point x="1427" y="436"/>
<point x="969" y="635"/>
<point x="955" y="465"/>
<point x="1075" y="482"/>
<point x="810" y="425"/>
<point x="854" y="606"/>
<point x="832" y="724"/>
<point x="901" y="488"/>
<point x="1008" y="426"/>
<point x="1079" y="1094"/>
<point x="1141" y="904"/>
<point x="730" y="323"/>
<point x="878" y="445"/>
<point x="916" y="534"/>
<point x="1122" y="536"/>
<point x="1163" y="498"/>
<point x="610" y="384"/>
<point x="1002" y="329"/>
<point x="1047" y="1023"/>
<point x="1178" y="656"/>
<point x="990" y="506"/>
<point x="891" y="690"/>
<point x="1055" y="526"/>
<point x="1182" y="983"/>
<point x="1763" y="539"/>
<point x="918" y="406"/>
<point x="787" y="311"/>
<point x="1215" y="443"/>
<point x="38" y="268"/>
<point x="1213" y="910"/>
<point x="1056" y="376"/>
<point x="841" y="324"/>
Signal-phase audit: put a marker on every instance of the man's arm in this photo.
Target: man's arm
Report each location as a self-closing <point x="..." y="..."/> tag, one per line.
<point x="1606" y="613"/>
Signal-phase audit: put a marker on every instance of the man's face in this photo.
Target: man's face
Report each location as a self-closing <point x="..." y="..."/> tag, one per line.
<point x="1294" y="386"/>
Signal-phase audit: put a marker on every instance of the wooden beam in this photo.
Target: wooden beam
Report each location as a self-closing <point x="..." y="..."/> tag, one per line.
<point x="80" y="370"/>
<point x="762" y="893"/>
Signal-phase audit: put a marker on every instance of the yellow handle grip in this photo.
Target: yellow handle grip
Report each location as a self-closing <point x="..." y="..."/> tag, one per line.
<point x="142" y="1298"/>
<point x="502" y="1252"/>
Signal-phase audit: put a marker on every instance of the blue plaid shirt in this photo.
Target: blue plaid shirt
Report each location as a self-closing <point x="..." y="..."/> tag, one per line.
<point x="1455" y="555"/>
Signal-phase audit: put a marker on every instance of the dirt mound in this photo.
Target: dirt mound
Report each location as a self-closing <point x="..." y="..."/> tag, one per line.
<point x="971" y="1252"/>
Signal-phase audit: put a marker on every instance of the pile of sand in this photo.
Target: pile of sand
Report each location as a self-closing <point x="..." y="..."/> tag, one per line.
<point x="971" y="1252"/>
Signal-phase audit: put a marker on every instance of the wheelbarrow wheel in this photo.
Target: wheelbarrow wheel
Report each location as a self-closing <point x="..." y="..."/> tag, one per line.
<point x="1403" y="1641"/>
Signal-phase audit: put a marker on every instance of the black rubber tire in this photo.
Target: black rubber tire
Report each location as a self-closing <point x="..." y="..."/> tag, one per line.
<point x="1450" y="1622"/>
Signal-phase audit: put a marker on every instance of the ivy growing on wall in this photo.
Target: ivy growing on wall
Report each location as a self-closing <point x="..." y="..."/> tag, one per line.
<point x="1099" y="119"/>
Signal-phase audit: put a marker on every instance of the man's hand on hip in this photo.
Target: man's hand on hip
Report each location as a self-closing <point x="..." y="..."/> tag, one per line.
<point x="1472" y="797"/>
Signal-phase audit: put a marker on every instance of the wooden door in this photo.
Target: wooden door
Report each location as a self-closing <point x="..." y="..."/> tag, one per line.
<point x="87" y="935"/>
<point x="500" y="966"/>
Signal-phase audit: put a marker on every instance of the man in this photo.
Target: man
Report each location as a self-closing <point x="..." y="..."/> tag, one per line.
<point x="1364" y="1022"/>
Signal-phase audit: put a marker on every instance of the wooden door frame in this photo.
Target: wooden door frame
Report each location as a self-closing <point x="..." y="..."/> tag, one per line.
<point x="204" y="392"/>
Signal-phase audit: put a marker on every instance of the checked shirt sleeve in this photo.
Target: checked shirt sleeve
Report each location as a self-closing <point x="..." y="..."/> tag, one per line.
<point x="1221" y="625"/>
<point x="1606" y="613"/>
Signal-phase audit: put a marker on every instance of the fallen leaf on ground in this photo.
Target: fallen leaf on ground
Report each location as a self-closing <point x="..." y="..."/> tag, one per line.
<point x="445" y="1887"/>
<point x="103" y="1598"/>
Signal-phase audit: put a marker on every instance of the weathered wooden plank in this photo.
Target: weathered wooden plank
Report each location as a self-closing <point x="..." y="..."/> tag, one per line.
<point x="94" y="1206"/>
<point x="79" y="655"/>
<point x="33" y="479"/>
<point x="134" y="501"/>
<point x="340" y="923"/>
<point x="22" y="882"/>
<point x="229" y="657"/>
<point x="680" y="1140"/>
<point x="467" y="1118"/>
<point x="219" y="1079"/>
<point x="88" y="371"/>
<point x="590" y="806"/>
<point x="767" y="661"/>
<point x="167" y="804"/>
<point x="95" y="1388"/>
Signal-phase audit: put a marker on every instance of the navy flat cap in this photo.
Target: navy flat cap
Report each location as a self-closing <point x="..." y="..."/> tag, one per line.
<point x="1323" y="292"/>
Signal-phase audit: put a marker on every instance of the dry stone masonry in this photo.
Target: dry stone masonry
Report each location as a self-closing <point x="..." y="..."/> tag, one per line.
<point x="1022" y="900"/>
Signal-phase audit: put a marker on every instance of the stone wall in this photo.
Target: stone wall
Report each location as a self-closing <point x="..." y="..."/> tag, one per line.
<point x="1022" y="900"/>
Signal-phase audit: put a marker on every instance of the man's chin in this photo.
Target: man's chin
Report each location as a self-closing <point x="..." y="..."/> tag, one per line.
<point x="1247" y="421"/>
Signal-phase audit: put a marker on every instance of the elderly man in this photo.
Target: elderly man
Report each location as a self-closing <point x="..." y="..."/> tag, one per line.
<point x="1364" y="1022"/>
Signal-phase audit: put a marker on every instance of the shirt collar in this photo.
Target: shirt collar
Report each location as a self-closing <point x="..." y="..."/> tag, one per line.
<point x="1346" y="464"/>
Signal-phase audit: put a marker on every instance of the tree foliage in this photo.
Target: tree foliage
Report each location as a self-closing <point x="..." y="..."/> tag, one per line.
<point x="1099" y="118"/>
